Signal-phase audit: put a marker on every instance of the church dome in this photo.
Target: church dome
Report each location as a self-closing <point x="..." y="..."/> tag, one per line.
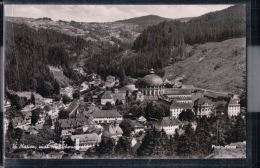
<point x="151" y="80"/>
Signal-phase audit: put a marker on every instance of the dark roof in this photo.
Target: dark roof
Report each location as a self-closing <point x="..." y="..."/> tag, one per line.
<point x="119" y="96"/>
<point x="107" y="95"/>
<point x="181" y="105"/>
<point x="167" y="121"/>
<point x="106" y="113"/>
<point x="172" y="91"/>
<point x="234" y="102"/>
<point x="136" y="124"/>
<point x="203" y="100"/>
<point x="150" y="80"/>
<point x="88" y="138"/>
<point x="183" y="98"/>
<point x="73" y="106"/>
<point x="71" y="122"/>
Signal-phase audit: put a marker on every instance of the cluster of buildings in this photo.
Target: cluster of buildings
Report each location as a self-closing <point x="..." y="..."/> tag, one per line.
<point x="88" y="122"/>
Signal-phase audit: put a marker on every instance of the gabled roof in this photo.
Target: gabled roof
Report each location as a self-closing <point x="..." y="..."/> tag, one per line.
<point x="90" y="138"/>
<point x="112" y="130"/>
<point x="70" y="123"/>
<point x="73" y="106"/>
<point x="166" y="122"/>
<point x="142" y="119"/>
<point x="107" y="95"/>
<point x="120" y="95"/>
<point x="106" y="113"/>
<point x="234" y="102"/>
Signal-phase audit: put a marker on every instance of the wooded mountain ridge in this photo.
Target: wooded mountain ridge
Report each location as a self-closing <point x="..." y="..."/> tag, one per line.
<point x="114" y="48"/>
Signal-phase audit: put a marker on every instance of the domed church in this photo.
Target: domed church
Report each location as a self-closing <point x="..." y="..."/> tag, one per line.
<point x="151" y="85"/>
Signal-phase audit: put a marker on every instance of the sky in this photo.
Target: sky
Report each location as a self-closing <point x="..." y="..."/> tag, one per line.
<point x="107" y="13"/>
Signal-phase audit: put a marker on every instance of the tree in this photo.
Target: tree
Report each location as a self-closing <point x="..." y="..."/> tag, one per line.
<point x="48" y="121"/>
<point x="153" y="143"/>
<point x="126" y="127"/>
<point x="76" y="94"/>
<point x="123" y="147"/>
<point x="184" y="147"/>
<point x="35" y="116"/>
<point x="108" y="106"/>
<point x="106" y="147"/>
<point x="187" y="115"/>
<point x="63" y="114"/>
<point x="66" y="99"/>
<point x="202" y="137"/>
<point x="239" y="130"/>
<point x="56" y="88"/>
<point x="155" y="111"/>
<point x="18" y="134"/>
<point x="69" y="142"/>
<point x="10" y="134"/>
<point x="32" y="98"/>
<point x="44" y="136"/>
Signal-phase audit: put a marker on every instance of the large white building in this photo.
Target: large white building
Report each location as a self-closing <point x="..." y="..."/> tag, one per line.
<point x="168" y="124"/>
<point x="151" y="85"/>
<point x="204" y="107"/>
<point x="234" y="106"/>
<point x="176" y="108"/>
<point x="85" y="141"/>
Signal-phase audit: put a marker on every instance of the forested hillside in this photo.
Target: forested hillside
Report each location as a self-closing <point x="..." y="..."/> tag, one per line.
<point x="128" y="47"/>
<point x="167" y="41"/>
<point x="29" y="51"/>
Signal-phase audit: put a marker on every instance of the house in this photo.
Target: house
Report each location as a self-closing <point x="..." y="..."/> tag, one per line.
<point x="113" y="131"/>
<point x="119" y="95"/>
<point x="176" y="108"/>
<point x="168" y="124"/>
<point x="85" y="141"/>
<point x="72" y="123"/>
<point x="31" y="131"/>
<point x="204" y="107"/>
<point x="67" y="132"/>
<point x="106" y="116"/>
<point x="138" y="127"/>
<point x="234" y="106"/>
<point x="110" y="81"/>
<point x="107" y="97"/>
<point x="73" y="108"/>
<point x="84" y="87"/>
<point x="142" y="119"/>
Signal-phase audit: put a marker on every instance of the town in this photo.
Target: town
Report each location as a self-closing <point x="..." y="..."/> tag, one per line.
<point x="102" y="117"/>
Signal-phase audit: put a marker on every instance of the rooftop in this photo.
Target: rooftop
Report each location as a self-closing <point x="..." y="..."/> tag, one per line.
<point x="86" y="137"/>
<point x="150" y="80"/>
<point x="107" y="95"/>
<point x="181" y="105"/>
<point x="167" y="121"/>
<point x="112" y="130"/>
<point x="172" y="91"/>
<point x="106" y="113"/>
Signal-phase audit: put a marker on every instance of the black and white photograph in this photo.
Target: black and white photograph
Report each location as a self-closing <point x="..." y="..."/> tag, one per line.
<point x="125" y="81"/>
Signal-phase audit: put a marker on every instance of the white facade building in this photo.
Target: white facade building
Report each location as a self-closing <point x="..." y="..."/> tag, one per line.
<point x="234" y="107"/>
